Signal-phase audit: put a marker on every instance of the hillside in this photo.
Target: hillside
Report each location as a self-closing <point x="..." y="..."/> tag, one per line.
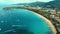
<point x="33" y="3"/>
<point x="53" y="4"/>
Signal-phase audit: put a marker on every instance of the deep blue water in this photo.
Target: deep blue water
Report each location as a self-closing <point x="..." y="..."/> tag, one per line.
<point x="21" y="21"/>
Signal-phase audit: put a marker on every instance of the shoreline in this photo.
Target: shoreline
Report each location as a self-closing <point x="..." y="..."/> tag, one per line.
<point x="49" y="23"/>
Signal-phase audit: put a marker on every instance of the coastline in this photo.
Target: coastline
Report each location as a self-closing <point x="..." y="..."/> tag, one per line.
<point x="49" y="23"/>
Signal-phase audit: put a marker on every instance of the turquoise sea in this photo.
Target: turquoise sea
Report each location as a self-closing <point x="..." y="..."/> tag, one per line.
<point x="21" y="21"/>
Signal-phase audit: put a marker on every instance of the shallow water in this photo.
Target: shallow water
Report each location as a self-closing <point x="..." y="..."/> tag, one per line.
<point x="20" y="21"/>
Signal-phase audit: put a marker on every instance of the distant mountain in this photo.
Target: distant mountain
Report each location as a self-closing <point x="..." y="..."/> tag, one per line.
<point x="53" y="4"/>
<point x="37" y="4"/>
<point x="33" y="3"/>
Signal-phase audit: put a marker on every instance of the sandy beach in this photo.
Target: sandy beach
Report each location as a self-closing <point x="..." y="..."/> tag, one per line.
<point x="49" y="23"/>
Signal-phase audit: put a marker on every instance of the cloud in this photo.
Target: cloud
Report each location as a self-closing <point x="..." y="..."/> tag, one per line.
<point x="21" y="1"/>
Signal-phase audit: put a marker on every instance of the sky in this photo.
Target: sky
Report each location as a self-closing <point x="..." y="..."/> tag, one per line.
<point x="20" y="1"/>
